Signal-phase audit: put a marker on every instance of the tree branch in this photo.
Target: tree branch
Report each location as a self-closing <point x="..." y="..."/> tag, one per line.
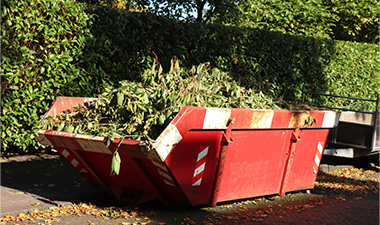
<point x="200" y="6"/>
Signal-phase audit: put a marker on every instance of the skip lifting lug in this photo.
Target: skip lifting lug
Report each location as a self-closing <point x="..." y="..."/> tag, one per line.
<point x="226" y="135"/>
<point x="296" y="135"/>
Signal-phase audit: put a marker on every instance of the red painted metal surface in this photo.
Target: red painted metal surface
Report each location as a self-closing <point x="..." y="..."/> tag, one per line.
<point x="204" y="156"/>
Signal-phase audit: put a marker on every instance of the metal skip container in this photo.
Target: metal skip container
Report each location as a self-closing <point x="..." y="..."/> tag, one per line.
<point x="204" y="156"/>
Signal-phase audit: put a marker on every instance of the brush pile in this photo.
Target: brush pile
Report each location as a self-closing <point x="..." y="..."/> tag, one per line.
<point x="140" y="110"/>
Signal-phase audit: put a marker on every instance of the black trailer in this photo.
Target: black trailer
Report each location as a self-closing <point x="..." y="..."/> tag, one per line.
<point x="358" y="132"/>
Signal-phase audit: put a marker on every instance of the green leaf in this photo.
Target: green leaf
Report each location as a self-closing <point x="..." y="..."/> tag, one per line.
<point x="70" y="128"/>
<point x="120" y="98"/>
<point x="145" y="98"/>
<point x="109" y="141"/>
<point x="115" y="166"/>
<point x="61" y="126"/>
<point x="161" y="119"/>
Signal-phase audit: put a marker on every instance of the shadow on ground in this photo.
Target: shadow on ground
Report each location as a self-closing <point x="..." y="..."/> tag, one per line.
<point x="46" y="179"/>
<point x="50" y="180"/>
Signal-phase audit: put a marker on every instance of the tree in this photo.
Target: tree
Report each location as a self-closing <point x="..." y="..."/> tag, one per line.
<point x="190" y="10"/>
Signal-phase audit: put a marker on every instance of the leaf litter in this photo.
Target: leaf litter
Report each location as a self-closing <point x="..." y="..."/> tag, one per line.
<point x="351" y="180"/>
<point x="52" y="214"/>
<point x="349" y="183"/>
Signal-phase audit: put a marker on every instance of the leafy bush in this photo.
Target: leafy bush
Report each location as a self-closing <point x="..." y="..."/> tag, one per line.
<point x="356" y="20"/>
<point x="353" y="72"/>
<point x="41" y="45"/>
<point x="348" y="20"/>
<point x="297" y="17"/>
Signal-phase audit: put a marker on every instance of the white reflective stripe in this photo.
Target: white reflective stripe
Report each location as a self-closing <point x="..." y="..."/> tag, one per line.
<point x="161" y="169"/>
<point x="156" y="163"/>
<point x="164" y="175"/>
<point x="167" y="140"/>
<point x="314" y="170"/>
<point x="169" y="183"/>
<point x="329" y="119"/>
<point x="65" y="153"/>
<point x="198" y="182"/>
<point x="317" y="160"/>
<point x="199" y="169"/>
<point x="83" y="171"/>
<point x="320" y="147"/>
<point x="202" y="154"/>
<point x="159" y="165"/>
<point x="74" y="162"/>
<point x="216" y="118"/>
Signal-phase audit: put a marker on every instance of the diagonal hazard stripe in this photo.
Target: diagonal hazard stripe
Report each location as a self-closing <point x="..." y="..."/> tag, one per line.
<point x="197" y="183"/>
<point x="164" y="173"/>
<point x="320" y="148"/>
<point x="200" y="166"/>
<point x="318" y="156"/>
<point x="70" y="158"/>
<point x="200" y="169"/>
<point x="202" y="154"/>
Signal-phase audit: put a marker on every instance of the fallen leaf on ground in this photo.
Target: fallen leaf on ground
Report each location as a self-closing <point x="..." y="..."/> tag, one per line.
<point x="49" y="215"/>
<point x="353" y="180"/>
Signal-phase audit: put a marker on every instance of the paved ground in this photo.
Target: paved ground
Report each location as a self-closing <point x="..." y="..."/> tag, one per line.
<point x="41" y="182"/>
<point x="29" y="183"/>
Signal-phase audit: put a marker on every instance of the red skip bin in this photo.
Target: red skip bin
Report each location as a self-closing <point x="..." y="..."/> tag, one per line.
<point x="204" y="156"/>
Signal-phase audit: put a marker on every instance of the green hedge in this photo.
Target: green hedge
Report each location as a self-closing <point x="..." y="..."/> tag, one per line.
<point x="42" y="42"/>
<point x="61" y="47"/>
<point x="354" y="71"/>
<point x="356" y="20"/>
<point x="267" y="61"/>
<point x="263" y="60"/>
<point x="348" y="20"/>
